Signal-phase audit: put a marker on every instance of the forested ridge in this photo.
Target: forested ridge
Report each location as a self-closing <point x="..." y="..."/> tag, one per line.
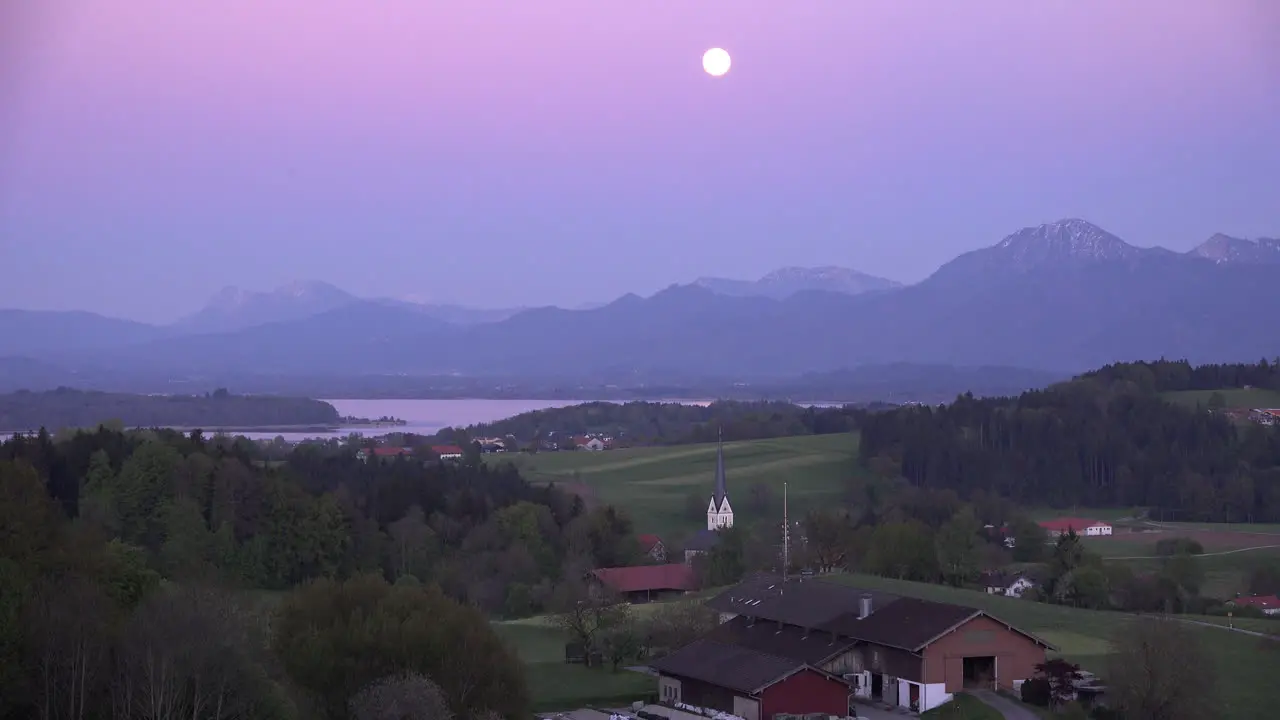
<point x="1105" y="439"/>
<point x="668" y="423"/>
<point x="119" y="549"/>
<point x="68" y="408"/>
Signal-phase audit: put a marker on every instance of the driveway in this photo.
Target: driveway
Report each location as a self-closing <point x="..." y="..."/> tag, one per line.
<point x="1008" y="708"/>
<point x="875" y="713"/>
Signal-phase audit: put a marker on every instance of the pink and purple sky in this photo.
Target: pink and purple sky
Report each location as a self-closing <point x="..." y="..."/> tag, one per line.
<point x="563" y="151"/>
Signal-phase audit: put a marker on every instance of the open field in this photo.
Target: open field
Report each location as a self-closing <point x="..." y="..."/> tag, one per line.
<point x="652" y="483"/>
<point x="1251" y="398"/>
<point x="557" y="685"/>
<point x="1246" y="685"/>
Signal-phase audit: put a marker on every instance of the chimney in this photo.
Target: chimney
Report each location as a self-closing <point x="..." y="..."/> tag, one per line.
<point x="864" y="606"/>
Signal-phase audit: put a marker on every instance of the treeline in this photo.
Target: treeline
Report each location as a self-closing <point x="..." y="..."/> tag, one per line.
<point x="892" y="529"/>
<point x="657" y="423"/>
<point x="67" y="408"/>
<point x="1180" y="375"/>
<point x="121" y="549"/>
<point x="1104" y="440"/>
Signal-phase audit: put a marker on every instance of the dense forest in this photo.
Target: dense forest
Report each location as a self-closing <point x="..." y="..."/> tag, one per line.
<point x="67" y="408"/>
<point x="120" y="550"/>
<point x="659" y="423"/>
<point x="1106" y="439"/>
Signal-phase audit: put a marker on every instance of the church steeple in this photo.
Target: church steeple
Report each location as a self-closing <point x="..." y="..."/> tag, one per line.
<point x="719" y="512"/>
<point x="720" y="491"/>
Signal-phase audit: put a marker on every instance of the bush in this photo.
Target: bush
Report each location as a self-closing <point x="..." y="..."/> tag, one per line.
<point x="1036" y="692"/>
<point x="1178" y="546"/>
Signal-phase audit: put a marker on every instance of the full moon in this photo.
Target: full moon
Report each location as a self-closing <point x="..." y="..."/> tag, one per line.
<point x="715" y="61"/>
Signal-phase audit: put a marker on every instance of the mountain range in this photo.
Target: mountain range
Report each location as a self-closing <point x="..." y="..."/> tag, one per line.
<point x="1063" y="296"/>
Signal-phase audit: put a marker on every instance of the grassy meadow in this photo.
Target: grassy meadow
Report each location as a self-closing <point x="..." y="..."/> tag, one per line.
<point x="1245" y="672"/>
<point x="1251" y="398"/>
<point x="652" y="483"/>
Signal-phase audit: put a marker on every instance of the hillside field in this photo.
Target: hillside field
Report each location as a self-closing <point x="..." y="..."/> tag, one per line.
<point x="652" y="483"/>
<point x="1245" y="683"/>
<point x="1251" y="398"/>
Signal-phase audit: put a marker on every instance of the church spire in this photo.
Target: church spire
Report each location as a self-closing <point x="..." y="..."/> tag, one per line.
<point x="720" y="489"/>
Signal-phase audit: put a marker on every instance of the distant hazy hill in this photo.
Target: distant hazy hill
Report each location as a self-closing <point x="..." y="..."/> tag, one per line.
<point x="1061" y="297"/>
<point x="61" y="408"/>
<point x="788" y="281"/>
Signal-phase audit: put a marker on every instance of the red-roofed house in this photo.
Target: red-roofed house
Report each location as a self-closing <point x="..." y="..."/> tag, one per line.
<point x="652" y="546"/>
<point x="447" y="452"/>
<point x="383" y="453"/>
<point x="1268" y="604"/>
<point x="1081" y="526"/>
<point x="643" y="583"/>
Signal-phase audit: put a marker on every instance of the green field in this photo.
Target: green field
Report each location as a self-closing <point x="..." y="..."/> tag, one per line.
<point x="1234" y="397"/>
<point x="1246" y="682"/>
<point x="652" y="483"/>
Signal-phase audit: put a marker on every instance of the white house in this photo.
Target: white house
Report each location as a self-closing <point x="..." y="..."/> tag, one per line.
<point x="995" y="583"/>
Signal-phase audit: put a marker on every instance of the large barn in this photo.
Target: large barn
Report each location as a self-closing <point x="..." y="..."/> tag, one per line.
<point x="811" y="646"/>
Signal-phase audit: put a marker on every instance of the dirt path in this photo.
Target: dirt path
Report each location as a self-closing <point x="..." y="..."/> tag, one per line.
<point x="1208" y="554"/>
<point x="1206" y="529"/>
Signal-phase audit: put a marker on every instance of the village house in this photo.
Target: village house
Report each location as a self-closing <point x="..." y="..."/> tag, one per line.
<point x="447" y="452"/>
<point x="1268" y="604"/>
<point x="646" y="583"/>
<point x="1265" y="416"/>
<point x="1081" y="526"/>
<point x="812" y="646"/>
<point x="652" y="547"/>
<point x="1009" y="585"/>
<point x="383" y="453"/>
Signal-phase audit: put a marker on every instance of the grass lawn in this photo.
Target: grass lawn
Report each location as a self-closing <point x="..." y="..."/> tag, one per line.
<point x="1245" y="675"/>
<point x="963" y="707"/>
<point x="652" y="483"/>
<point x="557" y="685"/>
<point x="1234" y="397"/>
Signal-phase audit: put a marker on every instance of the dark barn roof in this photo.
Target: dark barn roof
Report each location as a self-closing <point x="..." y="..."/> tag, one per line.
<point x="827" y="607"/>
<point x="736" y="668"/>
<point x="787" y="641"/>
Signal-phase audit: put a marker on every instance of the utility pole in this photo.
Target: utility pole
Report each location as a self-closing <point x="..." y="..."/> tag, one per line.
<point x="786" y="536"/>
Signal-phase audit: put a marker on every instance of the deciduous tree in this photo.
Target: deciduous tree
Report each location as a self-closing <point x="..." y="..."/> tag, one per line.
<point x="1159" y="670"/>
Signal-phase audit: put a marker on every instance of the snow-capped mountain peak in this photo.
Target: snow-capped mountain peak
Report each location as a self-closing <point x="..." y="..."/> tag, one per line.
<point x="790" y="280"/>
<point x="1071" y="238"/>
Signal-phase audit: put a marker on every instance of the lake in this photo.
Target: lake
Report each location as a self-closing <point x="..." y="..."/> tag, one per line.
<point x="426" y="417"/>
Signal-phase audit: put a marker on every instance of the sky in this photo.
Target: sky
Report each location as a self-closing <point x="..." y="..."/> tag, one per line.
<point x="568" y="151"/>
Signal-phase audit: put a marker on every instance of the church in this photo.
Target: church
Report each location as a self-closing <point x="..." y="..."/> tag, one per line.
<point x="719" y="512"/>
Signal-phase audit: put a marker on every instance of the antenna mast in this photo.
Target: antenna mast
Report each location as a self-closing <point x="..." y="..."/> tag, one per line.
<point x="786" y="536"/>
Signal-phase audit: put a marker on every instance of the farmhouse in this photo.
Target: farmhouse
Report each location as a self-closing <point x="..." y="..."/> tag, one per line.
<point x="383" y="453"/>
<point x="644" y="583"/>
<point x="1268" y="604"/>
<point x="652" y="547"/>
<point x="809" y="646"/>
<point x="996" y="583"/>
<point x="1081" y="526"/>
<point x="447" y="452"/>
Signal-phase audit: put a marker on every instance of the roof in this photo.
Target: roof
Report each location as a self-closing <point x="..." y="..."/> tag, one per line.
<point x="1070" y="523"/>
<point x="703" y="540"/>
<point x="906" y="623"/>
<point x="810" y="603"/>
<point x="648" y="542"/>
<point x="736" y="668"/>
<point x="446" y="449"/>
<point x="387" y="451"/>
<point x="899" y="622"/>
<point x="673" y="576"/>
<point x="788" y="641"/>
<point x="1262" y="602"/>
